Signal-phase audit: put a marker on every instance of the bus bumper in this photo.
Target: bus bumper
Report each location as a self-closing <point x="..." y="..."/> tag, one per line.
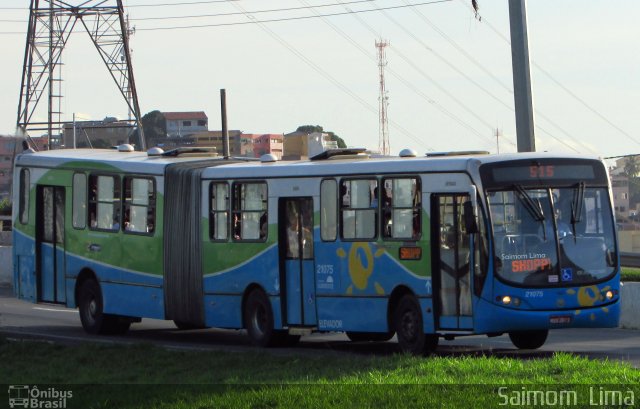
<point x="492" y="318"/>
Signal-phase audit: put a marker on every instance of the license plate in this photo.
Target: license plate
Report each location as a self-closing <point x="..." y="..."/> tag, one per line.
<point x="560" y="319"/>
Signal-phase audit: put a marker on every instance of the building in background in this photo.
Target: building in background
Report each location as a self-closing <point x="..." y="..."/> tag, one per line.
<point x="96" y="134"/>
<point x="185" y="124"/>
<point x="302" y="145"/>
<point x="10" y="146"/>
<point x="262" y="144"/>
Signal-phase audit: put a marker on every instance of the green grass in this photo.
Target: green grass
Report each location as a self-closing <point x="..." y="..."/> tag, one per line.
<point x="630" y="274"/>
<point x="148" y="376"/>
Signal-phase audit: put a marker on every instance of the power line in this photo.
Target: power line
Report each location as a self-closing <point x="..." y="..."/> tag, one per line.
<point x="563" y="87"/>
<point x="253" y="21"/>
<point x="326" y="75"/>
<point x="411" y="86"/>
<point x="233" y="13"/>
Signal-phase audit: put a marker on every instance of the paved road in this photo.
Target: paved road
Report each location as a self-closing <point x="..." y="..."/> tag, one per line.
<point x="22" y="320"/>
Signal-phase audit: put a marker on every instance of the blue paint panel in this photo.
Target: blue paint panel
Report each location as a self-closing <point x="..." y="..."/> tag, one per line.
<point x="309" y="290"/>
<point x="293" y="293"/>
<point x="59" y="276"/>
<point x="277" y="312"/>
<point x="47" y="274"/>
<point x="426" y="304"/>
<point x="263" y="270"/>
<point x="332" y="260"/>
<point x="223" y="311"/>
<point x="132" y="301"/>
<point x="352" y="314"/>
<point x="557" y="297"/>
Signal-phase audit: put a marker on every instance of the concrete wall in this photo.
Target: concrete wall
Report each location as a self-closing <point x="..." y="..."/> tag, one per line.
<point x="630" y="296"/>
<point x="6" y="265"/>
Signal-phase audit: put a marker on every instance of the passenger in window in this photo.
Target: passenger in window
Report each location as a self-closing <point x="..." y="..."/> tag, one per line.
<point x="293" y="250"/>
<point x="236" y="226"/>
<point x="263" y="226"/>
<point x="374" y="201"/>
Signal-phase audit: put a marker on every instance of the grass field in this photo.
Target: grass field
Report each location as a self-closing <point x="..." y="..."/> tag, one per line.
<point x="148" y="376"/>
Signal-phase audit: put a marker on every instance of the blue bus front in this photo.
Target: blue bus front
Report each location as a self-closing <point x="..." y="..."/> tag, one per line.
<point x="553" y="254"/>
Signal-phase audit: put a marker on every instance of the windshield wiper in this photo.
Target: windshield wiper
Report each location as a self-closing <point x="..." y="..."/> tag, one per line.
<point x="533" y="207"/>
<point x="576" y="206"/>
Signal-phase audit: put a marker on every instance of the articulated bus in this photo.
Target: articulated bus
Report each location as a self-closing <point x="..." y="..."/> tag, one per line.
<point x="418" y="247"/>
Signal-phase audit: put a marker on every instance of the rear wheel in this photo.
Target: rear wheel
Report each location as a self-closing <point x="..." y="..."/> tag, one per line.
<point x="407" y="320"/>
<point x="370" y="336"/>
<point x="529" y="339"/>
<point x="258" y="320"/>
<point x="94" y="320"/>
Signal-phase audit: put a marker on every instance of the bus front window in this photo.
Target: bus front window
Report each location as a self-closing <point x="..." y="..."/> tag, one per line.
<point x="551" y="237"/>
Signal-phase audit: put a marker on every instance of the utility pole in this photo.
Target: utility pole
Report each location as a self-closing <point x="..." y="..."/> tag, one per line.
<point x="383" y="100"/>
<point x="50" y="27"/>
<point x="521" y="76"/>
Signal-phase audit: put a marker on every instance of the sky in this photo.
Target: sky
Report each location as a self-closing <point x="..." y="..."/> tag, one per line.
<point x="448" y="73"/>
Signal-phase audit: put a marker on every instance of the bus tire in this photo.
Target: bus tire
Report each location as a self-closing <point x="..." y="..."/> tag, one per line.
<point x="407" y="319"/>
<point x="90" y="306"/>
<point x="370" y="336"/>
<point x="529" y="339"/>
<point x="258" y="320"/>
<point x="93" y="319"/>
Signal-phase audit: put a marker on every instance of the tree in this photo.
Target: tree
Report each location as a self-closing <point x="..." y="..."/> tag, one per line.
<point x="631" y="166"/>
<point x="154" y="125"/>
<point x="317" y="128"/>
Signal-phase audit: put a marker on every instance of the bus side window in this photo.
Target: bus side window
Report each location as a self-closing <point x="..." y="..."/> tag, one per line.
<point x="328" y="210"/>
<point x="219" y="212"/>
<point x="139" y="205"/>
<point x="25" y="186"/>
<point x="359" y="209"/>
<point x="250" y="211"/>
<point x="79" y="201"/>
<point x="104" y="202"/>
<point x="401" y="209"/>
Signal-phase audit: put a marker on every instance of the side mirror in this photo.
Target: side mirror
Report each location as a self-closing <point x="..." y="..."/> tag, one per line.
<point x="470" y="221"/>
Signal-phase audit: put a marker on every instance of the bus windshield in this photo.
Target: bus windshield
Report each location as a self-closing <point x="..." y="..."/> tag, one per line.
<point x="553" y="236"/>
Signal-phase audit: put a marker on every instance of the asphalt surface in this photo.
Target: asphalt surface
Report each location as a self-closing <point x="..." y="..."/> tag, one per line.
<point x="23" y="320"/>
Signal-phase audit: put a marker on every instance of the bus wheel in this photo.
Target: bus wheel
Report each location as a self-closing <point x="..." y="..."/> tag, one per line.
<point x="407" y="319"/>
<point x="370" y="336"/>
<point x="258" y="319"/>
<point x="90" y="305"/>
<point x="529" y="339"/>
<point x="94" y="320"/>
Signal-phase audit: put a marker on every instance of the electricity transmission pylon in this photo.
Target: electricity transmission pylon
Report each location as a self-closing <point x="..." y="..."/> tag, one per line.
<point x="51" y="23"/>
<point x="383" y="100"/>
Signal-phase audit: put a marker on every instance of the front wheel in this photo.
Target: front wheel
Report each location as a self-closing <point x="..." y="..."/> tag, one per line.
<point x="407" y="319"/>
<point x="529" y="339"/>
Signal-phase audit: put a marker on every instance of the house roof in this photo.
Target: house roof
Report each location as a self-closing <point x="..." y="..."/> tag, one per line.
<point x="189" y="115"/>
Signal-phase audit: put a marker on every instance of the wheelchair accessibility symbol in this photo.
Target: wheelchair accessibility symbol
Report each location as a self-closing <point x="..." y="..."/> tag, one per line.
<point x="567" y="274"/>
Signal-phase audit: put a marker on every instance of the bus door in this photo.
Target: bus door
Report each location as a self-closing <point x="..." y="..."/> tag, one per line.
<point x="298" y="276"/>
<point x="50" y="250"/>
<point x="451" y="263"/>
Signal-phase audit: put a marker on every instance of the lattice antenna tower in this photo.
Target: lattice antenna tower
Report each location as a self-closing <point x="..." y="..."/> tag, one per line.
<point x="51" y="23"/>
<point x="383" y="100"/>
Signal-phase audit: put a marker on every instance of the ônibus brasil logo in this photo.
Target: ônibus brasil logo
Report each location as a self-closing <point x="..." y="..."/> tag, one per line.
<point x="25" y="396"/>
